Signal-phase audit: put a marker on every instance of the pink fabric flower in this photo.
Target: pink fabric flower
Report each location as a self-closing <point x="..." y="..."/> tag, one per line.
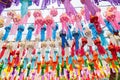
<point x="53" y="12"/>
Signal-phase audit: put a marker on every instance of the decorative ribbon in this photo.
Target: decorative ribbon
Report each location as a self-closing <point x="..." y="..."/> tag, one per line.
<point x="37" y="2"/>
<point x="110" y="16"/>
<point x="112" y="49"/>
<point x="17" y="60"/>
<point x="47" y="56"/>
<point x="94" y="33"/>
<point x="64" y="41"/>
<point x="103" y="39"/>
<point x="109" y="26"/>
<point x="117" y="13"/>
<point x="70" y="10"/>
<point x="3" y="51"/>
<point x="39" y="56"/>
<point x="28" y="70"/>
<point x="94" y="20"/>
<point x="64" y="19"/>
<point x="38" y="67"/>
<point x="19" y="34"/>
<point x="21" y="67"/>
<point x="39" y="22"/>
<point x="43" y="33"/>
<point x="10" y="15"/>
<point x="24" y="6"/>
<point x="5" y="4"/>
<point x="13" y="72"/>
<point x="33" y="63"/>
<point x="39" y="62"/>
<point x="2" y="8"/>
<point x="55" y="56"/>
<point x="54" y="31"/>
<point x="49" y="22"/>
<point x="78" y="18"/>
<point x="84" y="42"/>
<point x="7" y="29"/>
<point x="16" y="2"/>
<point x="9" y="67"/>
<point x="90" y="41"/>
<point x="33" y="76"/>
<point x="68" y="75"/>
<point x="12" y="53"/>
<point x="76" y="38"/>
<point x="63" y="38"/>
<point x="25" y="18"/>
<point x="1" y="68"/>
<point x="17" y="22"/>
<point x="101" y="49"/>
<point x="45" y="3"/>
<point x="25" y="61"/>
<point x="42" y="70"/>
<point x="100" y="19"/>
<point x="58" y="70"/>
<point x="70" y="61"/>
<point x="69" y="34"/>
<point x="21" y="76"/>
<point x="90" y="7"/>
<point x="29" y="34"/>
<point x="34" y="51"/>
<point x="72" y="49"/>
<point x="5" y="63"/>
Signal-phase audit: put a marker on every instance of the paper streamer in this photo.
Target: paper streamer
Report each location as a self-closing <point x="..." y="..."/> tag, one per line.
<point x="90" y="7"/>
<point x="101" y="49"/>
<point x="43" y="33"/>
<point x="28" y="70"/>
<point x="112" y="49"/>
<point x="69" y="34"/>
<point x="64" y="41"/>
<point x="109" y="26"/>
<point x="30" y="31"/>
<point x="7" y="29"/>
<point x="94" y="33"/>
<point x="63" y="38"/>
<point x="39" y="22"/>
<point x="64" y="19"/>
<point x="25" y="61"/>
<point x="70" y="10"/>
<point x="1" y="68"/>
<point x="84" y="42"/>
<point x="76" y="38"/>
<point x="24" y="7"/>
<point x="3" y="51"/>
<point x="49" y="22"/>
<point x="17" y="22"/>
<point x="54" y="31"/>
<point x="19" y="34"/>
<point x="33" y="63"/>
